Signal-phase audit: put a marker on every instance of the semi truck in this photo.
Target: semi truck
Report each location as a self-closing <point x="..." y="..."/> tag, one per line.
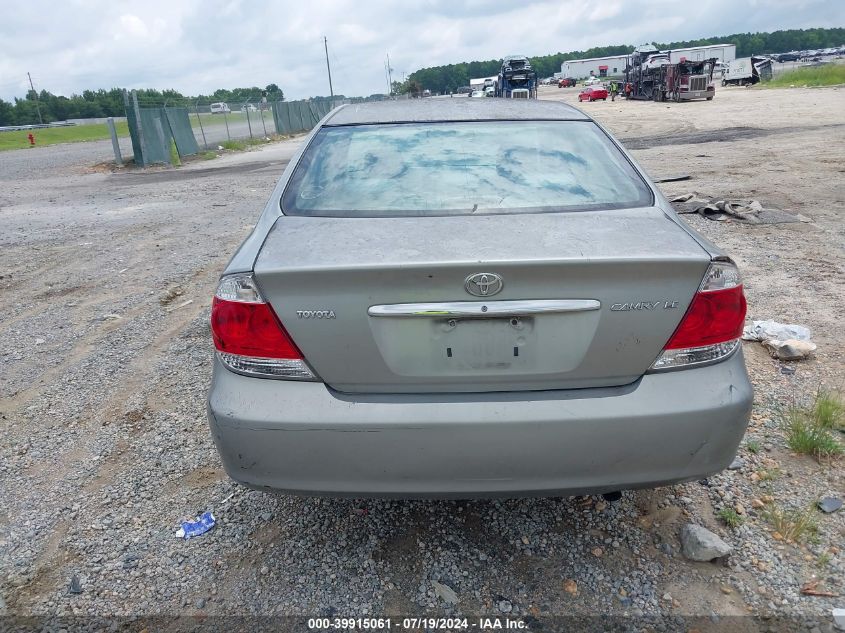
<point x="652" y="74"/>
<point x="517" y="79"/>
<point x="687" y="80"/>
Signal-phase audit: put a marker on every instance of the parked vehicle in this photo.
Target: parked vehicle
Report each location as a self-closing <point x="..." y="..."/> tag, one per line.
<point x="516" y="74"/>
<point x="592" y="81"/>
<point x="248" y="107"/>
<point x="477" y="93"/>
<point x="539" y="323"/>
<point x="592" y="94"/>
<point x="566" y="82"/>
<point x="650" y="75"/>
<point x="219" y="108"/>
<point x="685" y="81"/>
<point x="745" y="71"/>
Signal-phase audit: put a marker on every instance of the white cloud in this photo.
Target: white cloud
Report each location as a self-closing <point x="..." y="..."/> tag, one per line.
<point x="196" y="46"/>
<point x="131" y="25"/>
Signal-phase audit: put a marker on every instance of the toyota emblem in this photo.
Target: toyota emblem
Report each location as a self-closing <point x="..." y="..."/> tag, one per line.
<point x="483" y="284"/>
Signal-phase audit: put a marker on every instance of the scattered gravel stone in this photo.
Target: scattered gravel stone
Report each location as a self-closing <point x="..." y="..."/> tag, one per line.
<point x="736" y="464"/>
<point x="505" y="606"/>
<point x="829" y="504"/>
<point x="700" y="544"/>
<point x="75" y="587"/>
<point x="445" y="592"/>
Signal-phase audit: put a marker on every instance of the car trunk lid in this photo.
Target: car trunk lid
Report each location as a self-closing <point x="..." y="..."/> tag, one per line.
<point x="381" y="305"/>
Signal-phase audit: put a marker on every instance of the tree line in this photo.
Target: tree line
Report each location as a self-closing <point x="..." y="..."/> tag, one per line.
<point x="448" y="78"/>
<point x="103" y="103"/>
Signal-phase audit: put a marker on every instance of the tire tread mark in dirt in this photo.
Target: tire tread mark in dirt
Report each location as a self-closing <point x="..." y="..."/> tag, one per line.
<point x="726" y="135"/>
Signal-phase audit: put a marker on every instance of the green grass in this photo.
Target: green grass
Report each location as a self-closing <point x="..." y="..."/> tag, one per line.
<point x="793" y="525"/>
<point x="808" y="431"/>
<point x="769" y="474"/>
<point x="50" y="136"/>
<point x="753" y="446"/>
<point x="826" y="75"/>
<point x="730" y="517"/>
<point x="242" y="144"/>
<point x="828" y="411"/>
<point x="174" y="155"/>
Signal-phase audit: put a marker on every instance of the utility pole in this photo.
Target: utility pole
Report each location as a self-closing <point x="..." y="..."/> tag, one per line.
<point x="328" y="67"/>
<point x="389" y="77"/>
<point x="35" y="94"/>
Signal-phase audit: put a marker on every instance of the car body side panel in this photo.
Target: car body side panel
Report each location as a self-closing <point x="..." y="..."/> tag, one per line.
<point x="307" y="439"/>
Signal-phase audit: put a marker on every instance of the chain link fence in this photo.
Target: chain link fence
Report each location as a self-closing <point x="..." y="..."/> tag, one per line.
<point x="159" y="127"/>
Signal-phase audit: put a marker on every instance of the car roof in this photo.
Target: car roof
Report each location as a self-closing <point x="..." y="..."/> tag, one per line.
<point x="446" y="109"/>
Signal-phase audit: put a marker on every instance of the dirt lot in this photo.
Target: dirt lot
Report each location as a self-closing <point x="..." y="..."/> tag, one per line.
<point x="105" y="281"/>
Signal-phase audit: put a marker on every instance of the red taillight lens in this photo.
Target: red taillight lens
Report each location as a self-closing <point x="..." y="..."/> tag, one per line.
<point x="250" y="329"/>
<point x="712" y="324"/>
<point x="713" y="317"/>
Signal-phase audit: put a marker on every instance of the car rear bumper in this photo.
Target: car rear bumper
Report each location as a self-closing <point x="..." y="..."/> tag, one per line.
<point x="304" y="438"/>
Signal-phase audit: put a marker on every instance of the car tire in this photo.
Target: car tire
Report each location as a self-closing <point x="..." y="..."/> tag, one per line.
<point x="710" y="98"/>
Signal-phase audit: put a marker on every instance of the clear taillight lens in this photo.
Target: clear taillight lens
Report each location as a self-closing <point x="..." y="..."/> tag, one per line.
<point x="712" y="325"/>
<point x="248" y="335"/>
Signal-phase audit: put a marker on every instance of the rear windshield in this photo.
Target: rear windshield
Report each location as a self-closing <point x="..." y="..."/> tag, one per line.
<point x="413" y="169"/>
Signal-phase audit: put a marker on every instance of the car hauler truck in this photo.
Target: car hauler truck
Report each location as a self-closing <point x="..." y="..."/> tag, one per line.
<point x="686" y="80"/>
<point x="516" y="80"/>
<point x="652" y="74"/>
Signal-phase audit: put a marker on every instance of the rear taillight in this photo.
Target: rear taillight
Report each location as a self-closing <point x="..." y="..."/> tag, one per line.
<point x="712" y="325"/>
<point x="248" y="335"/>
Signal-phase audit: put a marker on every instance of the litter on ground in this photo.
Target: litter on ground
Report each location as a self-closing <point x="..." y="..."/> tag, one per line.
<point x="748" y="211"/>
<point x="201" y="525"/>
<point x="784" y="341"/>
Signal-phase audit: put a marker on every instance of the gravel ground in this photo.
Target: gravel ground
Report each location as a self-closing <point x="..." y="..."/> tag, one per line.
<point x="106" y="279"/>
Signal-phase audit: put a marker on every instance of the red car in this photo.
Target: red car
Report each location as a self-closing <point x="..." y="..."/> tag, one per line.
<point x="593" y="94"/>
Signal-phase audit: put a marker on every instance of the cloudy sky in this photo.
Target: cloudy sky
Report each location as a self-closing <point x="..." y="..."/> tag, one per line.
<point x="195" y="46"/>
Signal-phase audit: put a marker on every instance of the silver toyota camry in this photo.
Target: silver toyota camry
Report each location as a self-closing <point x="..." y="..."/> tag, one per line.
<point x="472" y="298"/>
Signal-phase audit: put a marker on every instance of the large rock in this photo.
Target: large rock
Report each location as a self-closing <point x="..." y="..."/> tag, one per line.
<point x="701" y="544"/>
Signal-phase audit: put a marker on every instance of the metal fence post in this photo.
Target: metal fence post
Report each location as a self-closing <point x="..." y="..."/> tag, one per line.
<point x="248" y="124"/>
<point x="226" y="121"/>
<point x="199" y="120"/>
<point x="118" y="159"/>
<point x="142" y="141"/>
<point x="262" y="120"/>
